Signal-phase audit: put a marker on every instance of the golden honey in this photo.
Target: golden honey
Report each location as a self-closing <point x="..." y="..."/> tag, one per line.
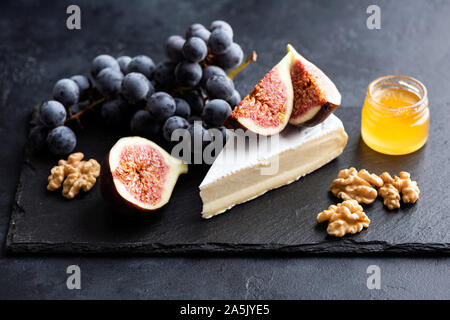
<point x="395" y="116"/>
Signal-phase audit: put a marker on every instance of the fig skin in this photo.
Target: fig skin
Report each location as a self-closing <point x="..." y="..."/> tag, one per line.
<point x="320" y="116"/>
<point x="126" y="206"/>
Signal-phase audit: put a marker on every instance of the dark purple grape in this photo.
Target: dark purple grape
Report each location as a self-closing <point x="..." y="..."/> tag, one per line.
<point x="231" y="58"/>
<point x="142" y="64"/>
<point x="223" y="25"/>
<point x="174" y="48"/>
<point x="195" y="101"/>
<point x="113" y="111"/>
<point x="188" y="74"/>
<point x="195" y="49"/>
<point x="209" y="71"/>
<point x="183" y="109"/>
<point x="52" y="113"/>
<point x="77" y="107"/>
<point x="219" y="87"/>
<point x="84" y="84"/>
<point x="109" y="81"/>
<point x="142" y="124"/>
<point x="194" y="119"/>
<point x="164" y="75"/>
<point x="135" y="87"/>
<point x="173" y="123"/>
<point x="161" y="106"/>
<point x="102" y="62"/>
<point x="235" y="99"/>
<point x="198" y="30"/>
<point x="219" y="41"/>
<point x="38" y="136"/>
<point x="61" y="140"/>
<point x="123" y="62"/>
<point x="66" y="91"/>
<point x="216" y="111"/>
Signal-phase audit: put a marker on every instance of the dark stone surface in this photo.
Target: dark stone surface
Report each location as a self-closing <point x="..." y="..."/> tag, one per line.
<point x="36" y="50"/>
<point x="282" y="220"/>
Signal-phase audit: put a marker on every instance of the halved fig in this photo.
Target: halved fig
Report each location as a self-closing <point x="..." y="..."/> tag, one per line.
<point x="138" y="175"/>
<point x="315" y="95"/>
<point x="267" y="108"/>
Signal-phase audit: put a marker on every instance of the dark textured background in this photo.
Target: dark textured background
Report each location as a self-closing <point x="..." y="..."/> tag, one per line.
<point x="36" y="50"/>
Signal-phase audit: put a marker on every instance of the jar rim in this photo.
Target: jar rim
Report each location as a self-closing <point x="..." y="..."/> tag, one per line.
<point x="409" y="83"/>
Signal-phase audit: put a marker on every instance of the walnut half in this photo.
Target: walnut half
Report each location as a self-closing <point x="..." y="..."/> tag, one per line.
<point x="343" y="218"/>
<point x="392" y="188"/>
<point x="353" y="185"/>
<point x="74" y="175"/>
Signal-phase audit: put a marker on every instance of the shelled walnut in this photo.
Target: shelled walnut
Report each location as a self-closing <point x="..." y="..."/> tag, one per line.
<point x="343" y="218"/>
<point x="353" y="185"/>
<point x="392" y="188"/>
<point x="74" y="175"/>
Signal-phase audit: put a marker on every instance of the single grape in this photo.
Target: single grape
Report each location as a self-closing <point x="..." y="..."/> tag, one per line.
<point x="38" y="136"/>
<point x="231" y="58"/>
<point x="199" y="136"/>
<point x="103" y="61"/>
<point x="61" y="140"/>
<point x="142" y="64"/>
<point x="84" y="84"/>
<point x="183" y="109"/>
<point x="216" y="111"/>
<point x="113" y="111"/>
<point x="161" y="106"/>
<point x="174" y="48"/>
<point x="66" y="91"/>
<point x="223" y="25"/>
<point x="171" y="124"/>
<point x="219" y="87"/>
<point x="53" y="113"/>
<point x="198" y="30"/>
<point x="235" y="99"/>
<point x="142" y="124"/>
<point x="195" y="49"/>
<point x="135" y="87"/>
<point x="164" y="75"/>
<point x="195" y="101"/>
<point x="77" y="107"/>
<point x="219" y="41"/>
<point x="188" y="74"/>
<point x="109" y="81"/>
<point x="209" y="71"/>
<point x="193" y="119"/>
<point x="123" y="62"/>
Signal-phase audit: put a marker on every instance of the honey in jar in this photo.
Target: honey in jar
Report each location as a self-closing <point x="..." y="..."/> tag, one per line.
<point x="395" y="116"/>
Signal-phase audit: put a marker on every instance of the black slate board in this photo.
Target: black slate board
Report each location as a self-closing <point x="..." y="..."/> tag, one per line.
<point x="282" y="220"/>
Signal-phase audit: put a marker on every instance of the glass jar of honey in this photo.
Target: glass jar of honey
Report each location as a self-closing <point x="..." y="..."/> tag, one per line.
<point x="395" y="116"/>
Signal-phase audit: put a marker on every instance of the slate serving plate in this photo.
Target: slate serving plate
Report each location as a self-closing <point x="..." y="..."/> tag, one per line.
<point x="282" y="220"/>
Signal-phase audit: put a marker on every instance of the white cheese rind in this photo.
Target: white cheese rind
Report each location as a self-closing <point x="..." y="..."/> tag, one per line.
<point x="235" y="175"/>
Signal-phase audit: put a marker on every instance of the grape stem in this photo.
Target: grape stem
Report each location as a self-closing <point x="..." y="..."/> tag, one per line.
<point x="77" y="115"/>
<point x="250" y="59"/>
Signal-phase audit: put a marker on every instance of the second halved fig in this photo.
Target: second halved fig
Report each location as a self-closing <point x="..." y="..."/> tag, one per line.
<point x="267" y="108"/>
<point x="295" y="91"/>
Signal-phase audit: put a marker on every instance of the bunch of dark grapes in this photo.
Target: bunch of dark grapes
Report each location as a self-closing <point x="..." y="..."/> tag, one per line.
<point x="190" y="90"/>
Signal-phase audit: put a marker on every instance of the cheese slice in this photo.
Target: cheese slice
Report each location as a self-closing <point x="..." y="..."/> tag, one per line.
<point x="242" y="172"/>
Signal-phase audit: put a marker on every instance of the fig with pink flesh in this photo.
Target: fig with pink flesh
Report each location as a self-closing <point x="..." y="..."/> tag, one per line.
<point x="267" y="108"/>
<point x="315" y="95"/>
<point x="138" y="175"/>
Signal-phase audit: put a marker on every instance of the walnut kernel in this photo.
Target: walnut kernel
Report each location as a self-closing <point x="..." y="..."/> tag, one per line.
<point x="74" y="175"/>
<point x="353" y="185"/>
<point x="392" y="188"/>
<point x="343" y="218"/>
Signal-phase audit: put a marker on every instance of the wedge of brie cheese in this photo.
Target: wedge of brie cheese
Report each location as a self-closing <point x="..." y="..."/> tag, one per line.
<point x="244" y="171"/>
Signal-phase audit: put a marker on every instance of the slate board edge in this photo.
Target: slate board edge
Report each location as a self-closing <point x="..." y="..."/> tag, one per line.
<point x="326" y="247"/>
